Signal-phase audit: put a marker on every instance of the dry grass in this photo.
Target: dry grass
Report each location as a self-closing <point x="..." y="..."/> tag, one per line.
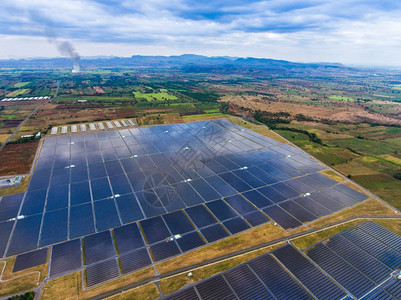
<point x="262" y="129"/>
<point x="22" y="187"/>
<point x="71" y="285"/>
<point x="246" y="240"/>
<point x="144" y="292"/>
<point x="333" y="175"/>
<point x="310" y="239"/>
<point x="174" y="283"/>
<point x="393" y="225"/>
<point x="21" y="281"/>
<point x="370" y="208"/>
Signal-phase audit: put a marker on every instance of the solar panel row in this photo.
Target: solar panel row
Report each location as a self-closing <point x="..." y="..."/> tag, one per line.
<point x="286" y="273"/>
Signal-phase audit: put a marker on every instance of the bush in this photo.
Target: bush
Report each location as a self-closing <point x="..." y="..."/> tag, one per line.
<point x="26" y="296"/>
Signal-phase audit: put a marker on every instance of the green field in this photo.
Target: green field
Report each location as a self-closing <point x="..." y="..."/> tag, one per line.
<point x="341" y="98"/>
<point x="161" y="95"/>
<point x="21" y="84"/>
<point x="17" y="92"/>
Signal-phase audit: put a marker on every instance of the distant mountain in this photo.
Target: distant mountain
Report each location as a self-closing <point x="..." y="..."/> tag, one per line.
<point x="189" y="63"/>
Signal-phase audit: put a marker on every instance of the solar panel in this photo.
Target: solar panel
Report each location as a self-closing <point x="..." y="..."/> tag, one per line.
<point x="100" y="189"/>
<point x="155" y="229"/>
<point x="236" y="225"/>
<point x="164" y="250"/>
<point x="190" y="241"/>
<point x="214" y="288"/>
<point x="312" y="206"/>
<point x="30" y="260"/>
<point x="106" y="215"/>
<point x="102" y="272"/>
<point x="326" y="201"/>
<point x="309" y="275"/>
<point x="129" y="208"/>
<point x="187" y="294"/>
<point x="200" y="216"/>
<point x="283" y="218"/>
<point x="256" y="218"/>
<point x="34" y="202"/>
<point x="54" y="227"/>
<point x="135" y="260"/>
<point x="188" y="194"/>
<point x="81" y="220"/>
<point x="178" y="222"/>
<point x="80" y="193"/>
<point x="345" y="274"/>
<point x="257" y="199"/>
<point x="222" y="187"/>
<point x="245" y="283"/>
<point x="66" y="257"/>
<point x="204" y="189"/>
<point x="214" y="233"/>
<point x="387" y="237"/>
<point x="278" y="281"/>
<point x="39" y="181"/>
<point x="221" y="210"/>
<point x="128" y="238"/>
<point x="272" y="194"/>
<point x="150" y="203"/>
<point x="98" y="246"/>
<point x="9" y="206"/>
<point x="5" y="230"/>
<point x="298" y="211"/>
<point x="240" y="204"/>
<point x="235" y="182"/>
<point x="25" y="235"/>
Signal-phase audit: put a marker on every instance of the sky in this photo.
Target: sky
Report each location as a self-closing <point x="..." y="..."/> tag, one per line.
<point x="356" y="32"/>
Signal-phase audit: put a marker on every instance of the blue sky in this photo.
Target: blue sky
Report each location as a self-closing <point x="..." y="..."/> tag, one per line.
<point x="364" y="32"/>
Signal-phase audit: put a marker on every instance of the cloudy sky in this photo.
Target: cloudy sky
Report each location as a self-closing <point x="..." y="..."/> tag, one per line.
<point x="366" y="32"/>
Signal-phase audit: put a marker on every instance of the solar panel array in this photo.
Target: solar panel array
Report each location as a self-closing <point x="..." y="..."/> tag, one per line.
<point x="203" y="181"/>
<point x="337" y="268"/>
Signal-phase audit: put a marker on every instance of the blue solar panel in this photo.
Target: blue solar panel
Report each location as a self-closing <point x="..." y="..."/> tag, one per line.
<point x="97" y="170"/>
<point x="204" y="189"/>
<point x="5" y="230"/>
<point x="54" y="227"/>
<point x="164" y="250"/>
<point x="221" y="210"/>
<point x="188" y="194"/>
<point x="222" y="187"/>
<point x="100" y="189"/>
<point x="98" y="246"/>
<point x="113" y="168"/>
<point x="26" y="234"/>
<point x="102" y="272"/>
<point x="60" y="177"/>
<point x="66" y="257"/>
<point x="106" y="215"/>
<point x="257" y="199"/>
<point x="128" y="238"/>
<point x="80" y="193"/>
<point x="155" y="229"/>
<point x="214" y="233"/>
<point x="312" y="206"/>
<point x="308" y="274"/>
<point x="30" y="260"/>
<point x="178" y="222"/>
<point x="256" y="218"/>
<point x="39" y="181"/>
<point x="135" y="260"/>
<point x="9" y="206"/>
<point x="283" y="218"/>
<point x="190" y="241"/>
<point x="129" y="208"/>
<point x="200" y="216"/>
<point x="169" y="197"/>
<point x="235" y="182"/>
<point x="150" y="203"/>
<point x="81" y="220"/>
<point x="298" y="211"/>
<point x="215" y="288"/>
<point x="246" y="285"/>
<point x="34" y="202"/>
<point x="278" y="281"/>
<point x="272" y="194"/>
<point x="57" y="198"/>
<point x="236" y="225"/>
<point x="240" y="204"/>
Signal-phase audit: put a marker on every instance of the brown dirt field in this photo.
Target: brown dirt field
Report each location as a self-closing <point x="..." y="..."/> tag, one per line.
<point x="17" y="158"/>
<point x="53" y="116"/>
<point x="349" y="112"/>
<point x="99" y="90"/>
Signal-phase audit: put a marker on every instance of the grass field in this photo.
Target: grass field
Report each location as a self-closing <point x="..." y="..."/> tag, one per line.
<point x="17" y="92"/>
<point x="21" y="84"/>
<point x="341" y="98"/>
<point x="161" y="95"/>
